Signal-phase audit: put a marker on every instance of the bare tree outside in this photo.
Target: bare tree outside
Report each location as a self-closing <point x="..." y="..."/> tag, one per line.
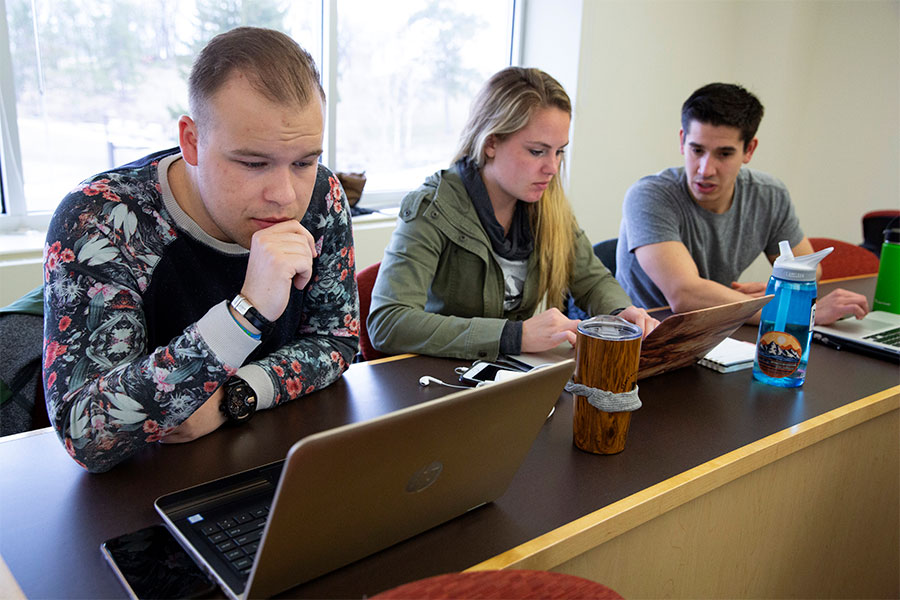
<point x="99" y="83"/>
<point x="406" y="79"/>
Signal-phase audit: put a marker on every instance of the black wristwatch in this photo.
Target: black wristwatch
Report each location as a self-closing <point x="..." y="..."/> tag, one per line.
<point x="243" y="307"/>
<point x="239" y="401"/>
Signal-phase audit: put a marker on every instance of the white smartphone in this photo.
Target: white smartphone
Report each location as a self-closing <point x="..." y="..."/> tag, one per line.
<point x="482" y="371"/>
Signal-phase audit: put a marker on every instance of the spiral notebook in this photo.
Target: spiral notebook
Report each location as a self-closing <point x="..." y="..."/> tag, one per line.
<point x="730" y="355"/>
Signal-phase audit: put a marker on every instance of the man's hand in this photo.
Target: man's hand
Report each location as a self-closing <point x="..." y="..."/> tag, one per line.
<point x="205" y="419"/>
<point x="547" y="330"/>
<point x="755" y="289"/>
<point x="838" y="304"/>
<point x="280" y="255"/>
<point x="639" y="317"/>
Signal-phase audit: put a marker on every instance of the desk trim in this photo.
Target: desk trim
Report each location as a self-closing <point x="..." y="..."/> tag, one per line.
<point x="573" y="539"/>
<point x="849" y="278"/>
<point x="24" y="434"/>
<point x="387" y="359"/>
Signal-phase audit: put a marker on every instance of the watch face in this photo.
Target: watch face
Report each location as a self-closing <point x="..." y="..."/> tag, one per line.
<point x="240" y="401"/>
<point x="236" y="407"/>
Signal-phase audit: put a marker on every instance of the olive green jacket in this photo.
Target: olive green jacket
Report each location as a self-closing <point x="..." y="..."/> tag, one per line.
<point x="440" y="290"/>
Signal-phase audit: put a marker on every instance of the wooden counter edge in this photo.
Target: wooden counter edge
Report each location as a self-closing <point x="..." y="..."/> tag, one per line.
<point x="566" y="542"/>
<point x="386" y="359"/>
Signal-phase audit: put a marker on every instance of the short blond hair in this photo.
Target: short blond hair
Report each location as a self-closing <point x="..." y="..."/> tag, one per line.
<point x="274" y="64"/>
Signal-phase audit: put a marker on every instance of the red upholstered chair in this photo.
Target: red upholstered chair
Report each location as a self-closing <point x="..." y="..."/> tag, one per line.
<point x="846" y="260"/>
<point x="502" y="585"/>
<point x="365" y="281"/>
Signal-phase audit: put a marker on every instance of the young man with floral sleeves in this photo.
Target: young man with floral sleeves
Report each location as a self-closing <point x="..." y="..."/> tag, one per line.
<point x="199" y="284"/>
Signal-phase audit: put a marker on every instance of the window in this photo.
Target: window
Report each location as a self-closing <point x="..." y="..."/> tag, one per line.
<point x="86" y="85"/>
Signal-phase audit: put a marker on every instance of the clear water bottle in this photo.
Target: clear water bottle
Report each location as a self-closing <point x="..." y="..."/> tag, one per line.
<point x="785" y="328"/>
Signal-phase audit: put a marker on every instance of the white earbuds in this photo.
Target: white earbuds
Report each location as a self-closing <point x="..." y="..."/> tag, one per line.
<point x="426" y="380"/>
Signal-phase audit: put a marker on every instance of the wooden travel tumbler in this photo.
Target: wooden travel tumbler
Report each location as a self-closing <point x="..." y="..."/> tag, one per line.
<point x="607" y="353"/>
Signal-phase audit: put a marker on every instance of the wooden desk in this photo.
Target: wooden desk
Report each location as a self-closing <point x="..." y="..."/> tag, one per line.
<point x="727" y="487"/>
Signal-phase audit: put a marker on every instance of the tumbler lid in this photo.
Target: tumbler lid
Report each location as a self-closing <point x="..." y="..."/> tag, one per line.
<point x="610" y="327"/>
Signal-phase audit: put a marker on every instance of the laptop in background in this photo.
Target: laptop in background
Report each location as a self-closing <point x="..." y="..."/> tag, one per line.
<point x="348" y="492"/>
<point x="684" y="338"/>
<point x="680" y="340"/>
<point x="877" y="334"/>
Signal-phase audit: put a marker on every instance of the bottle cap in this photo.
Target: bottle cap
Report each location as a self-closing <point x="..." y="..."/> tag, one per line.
<point x="892" y="235"/>
<point x="797" y="268"/>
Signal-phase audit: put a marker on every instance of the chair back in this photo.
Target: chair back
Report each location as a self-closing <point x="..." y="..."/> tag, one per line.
<point x="365" y="281"/>
<point x="606" y="252"/>
<point x="22" y="405"/>
<point x="873" y="225"/>
<point x="510" y="584"/>
<point x="846" y="260"/>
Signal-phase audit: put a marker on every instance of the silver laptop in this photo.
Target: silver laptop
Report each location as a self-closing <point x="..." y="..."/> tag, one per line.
<point x="877" y="334"/>
<point x="348" y="492"/>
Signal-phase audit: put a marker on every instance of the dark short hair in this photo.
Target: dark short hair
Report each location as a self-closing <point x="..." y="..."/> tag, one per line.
<point x="275" y="65"/>
<point x="724" y="104"/>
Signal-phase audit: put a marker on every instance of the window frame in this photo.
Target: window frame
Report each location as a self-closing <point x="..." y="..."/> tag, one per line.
<point x="14" y="214"/>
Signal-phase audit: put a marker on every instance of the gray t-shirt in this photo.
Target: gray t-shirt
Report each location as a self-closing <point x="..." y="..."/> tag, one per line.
<point x="660" y="208"/>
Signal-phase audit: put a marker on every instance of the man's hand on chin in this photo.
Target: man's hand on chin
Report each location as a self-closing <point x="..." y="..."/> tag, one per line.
<point x="205" y="419"/>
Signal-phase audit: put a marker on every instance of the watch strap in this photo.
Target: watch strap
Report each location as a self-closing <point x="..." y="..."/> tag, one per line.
<point x="246" y="309"/>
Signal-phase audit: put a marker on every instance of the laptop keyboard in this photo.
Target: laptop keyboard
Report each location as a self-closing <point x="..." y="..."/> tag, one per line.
<point x="891" y="337"/>
<point x="235" y="535"/>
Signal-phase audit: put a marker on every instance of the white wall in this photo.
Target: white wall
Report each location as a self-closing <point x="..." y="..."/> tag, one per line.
<point x="827" y="72"/>
<point x="552" y="39"/>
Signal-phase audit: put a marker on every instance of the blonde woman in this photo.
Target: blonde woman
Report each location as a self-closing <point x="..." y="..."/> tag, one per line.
<point x="479" y="247"/>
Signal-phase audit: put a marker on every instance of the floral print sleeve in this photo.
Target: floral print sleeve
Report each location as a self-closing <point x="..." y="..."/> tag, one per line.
<point x="328" y="337"/>
<point x="108" y="392"/>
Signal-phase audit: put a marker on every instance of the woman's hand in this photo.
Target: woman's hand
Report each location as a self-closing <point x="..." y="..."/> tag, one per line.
<point x="639" y="317"/>
<point x="547" y="330"/>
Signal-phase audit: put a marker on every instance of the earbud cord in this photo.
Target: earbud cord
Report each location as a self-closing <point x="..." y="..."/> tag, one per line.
<point x="427" y="379"/>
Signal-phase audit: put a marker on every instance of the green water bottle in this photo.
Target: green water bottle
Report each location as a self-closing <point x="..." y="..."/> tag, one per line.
<point x="887" y="289"/>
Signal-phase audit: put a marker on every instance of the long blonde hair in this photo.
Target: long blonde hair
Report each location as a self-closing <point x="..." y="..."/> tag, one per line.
<point x="504" y="106"/>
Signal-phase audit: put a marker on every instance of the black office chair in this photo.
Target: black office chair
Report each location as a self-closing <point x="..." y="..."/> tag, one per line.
<point x="873" y="225"/>
<point x="606" y="252"/>
<point x="22" y="405"/>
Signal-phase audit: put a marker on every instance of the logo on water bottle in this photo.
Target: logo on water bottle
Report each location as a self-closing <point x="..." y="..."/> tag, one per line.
<point x="778" y="354"/>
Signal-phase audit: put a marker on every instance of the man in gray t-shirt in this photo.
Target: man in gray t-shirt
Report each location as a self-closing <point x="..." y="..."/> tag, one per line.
<point x="688" y="233"/>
